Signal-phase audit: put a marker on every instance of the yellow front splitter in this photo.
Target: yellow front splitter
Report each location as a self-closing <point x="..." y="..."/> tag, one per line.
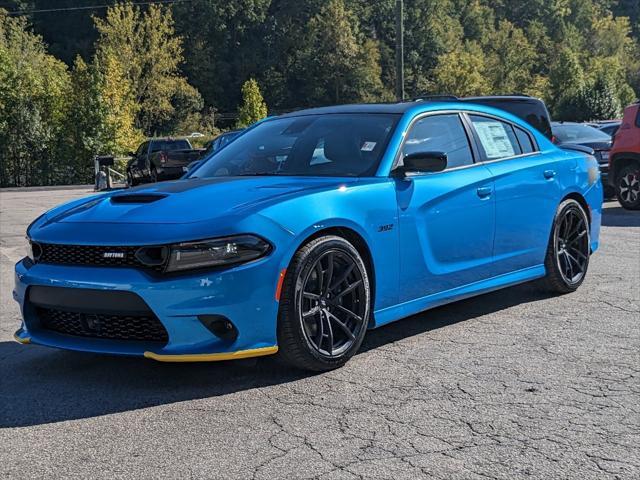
<point x="213" y="357"/>
<point x="22" y="340"/>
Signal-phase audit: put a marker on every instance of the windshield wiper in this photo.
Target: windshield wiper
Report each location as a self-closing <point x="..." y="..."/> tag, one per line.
<point x="258" y="174"/>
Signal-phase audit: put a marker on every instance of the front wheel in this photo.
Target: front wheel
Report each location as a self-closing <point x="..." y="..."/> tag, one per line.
<point x="628" y="187"/>
<point x="569" y="249"/>
<point x="324" y="305"/>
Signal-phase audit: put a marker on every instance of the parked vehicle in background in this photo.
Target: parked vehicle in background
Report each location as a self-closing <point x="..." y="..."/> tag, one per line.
<point x="610" y="127"/>
<point x="161" y="159"/>
<point x="196" y="135"/>
<point x="530" y="109"/>
<point x="222" y="140"/>
<point x="572" y="133"/>
<point x="624" y="161"/>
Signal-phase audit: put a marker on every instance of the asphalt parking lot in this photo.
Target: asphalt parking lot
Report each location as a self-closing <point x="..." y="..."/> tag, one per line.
<point x="513" y="384"/>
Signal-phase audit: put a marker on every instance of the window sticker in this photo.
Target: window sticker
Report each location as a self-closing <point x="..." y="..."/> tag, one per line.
<point x="368" y="146"/>
<point x="495" y="139"/>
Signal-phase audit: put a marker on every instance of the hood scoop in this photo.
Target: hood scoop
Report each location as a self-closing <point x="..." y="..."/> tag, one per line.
<point x="135" y="198"/>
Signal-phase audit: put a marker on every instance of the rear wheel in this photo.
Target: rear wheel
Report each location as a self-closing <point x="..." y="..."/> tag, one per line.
<point x="628" y="187"/>
<point x="567" y="258"/>
<point x="324" y="306"/>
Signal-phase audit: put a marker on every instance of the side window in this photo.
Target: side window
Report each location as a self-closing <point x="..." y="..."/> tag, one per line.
<point x="440" y="133"/>
<point x="142" y="149"/>
<point x="524" y="139"/>
<point x="497" y="139"/>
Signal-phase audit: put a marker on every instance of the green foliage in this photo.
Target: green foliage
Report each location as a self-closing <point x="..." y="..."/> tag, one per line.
<point x="594" y="101"/>
<point x="34" y="88"/>
<point x="462" y="72"/>
<point x="149" y="53"/>
<point x="253" y="107"/>
<point x="133" y="71"/>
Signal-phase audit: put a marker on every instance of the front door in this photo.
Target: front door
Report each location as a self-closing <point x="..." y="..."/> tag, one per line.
<point x="447" y="219"/>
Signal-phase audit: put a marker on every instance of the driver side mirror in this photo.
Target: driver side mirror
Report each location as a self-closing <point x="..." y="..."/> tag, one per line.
<point x="423" y="162"/>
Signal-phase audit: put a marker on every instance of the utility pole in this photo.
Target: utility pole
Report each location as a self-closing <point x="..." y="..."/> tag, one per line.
<point x="399" y="50"/>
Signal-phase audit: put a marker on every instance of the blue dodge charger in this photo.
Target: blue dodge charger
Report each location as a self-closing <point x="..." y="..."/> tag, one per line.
<point x="308" y="230"/>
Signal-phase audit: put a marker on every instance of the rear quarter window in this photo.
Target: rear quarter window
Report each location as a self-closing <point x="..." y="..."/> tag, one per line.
<point x="525" y="141"/>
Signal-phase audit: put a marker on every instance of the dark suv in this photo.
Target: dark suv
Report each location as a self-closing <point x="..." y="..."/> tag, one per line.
<point x="532" y="110"/>
<point x="624" y="159"/>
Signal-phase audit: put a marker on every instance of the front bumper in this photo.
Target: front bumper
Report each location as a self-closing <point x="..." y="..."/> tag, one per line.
<point x="244" y="294"/>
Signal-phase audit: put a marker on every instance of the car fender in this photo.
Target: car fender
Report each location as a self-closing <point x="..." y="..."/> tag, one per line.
<point x="378" y="228"/>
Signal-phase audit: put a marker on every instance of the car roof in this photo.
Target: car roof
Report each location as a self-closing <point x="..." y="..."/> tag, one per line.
<point x="396" y="108"/>
<point x="401" y="107"/>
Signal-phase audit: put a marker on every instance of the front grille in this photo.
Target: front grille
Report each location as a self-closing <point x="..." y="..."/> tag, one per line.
<point x="92" y="255"/>
<point x="146" y="328"/>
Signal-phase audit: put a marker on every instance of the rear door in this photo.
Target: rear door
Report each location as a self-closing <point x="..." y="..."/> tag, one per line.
<point x="527" y="191"/>
<point x="447" y="218"/>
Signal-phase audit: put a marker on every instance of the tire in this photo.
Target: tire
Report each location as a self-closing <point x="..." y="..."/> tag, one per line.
<point x="628" y="187"/>
<point x="130" y="180"/>
<point x="567" y="258"/>
<point x="332" y="307"/>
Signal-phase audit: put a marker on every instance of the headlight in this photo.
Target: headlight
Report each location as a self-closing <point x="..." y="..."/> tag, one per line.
<point x="216" y="252"/>
<point x="28" y="248"/>
<point x="33" y="250"/>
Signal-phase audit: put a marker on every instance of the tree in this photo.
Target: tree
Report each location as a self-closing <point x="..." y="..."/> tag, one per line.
<point x="34" y="88"/>
<point x="594" y="101"/>
<point x="149" y="54"/>
<point x="253" y="107"/>
<point x="510" y="59"/>
<point x="226" y="42"/>
<point x="462" y="72"/>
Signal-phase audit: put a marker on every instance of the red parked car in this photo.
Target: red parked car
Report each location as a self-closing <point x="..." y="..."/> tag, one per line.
<point x="624" y="159"/>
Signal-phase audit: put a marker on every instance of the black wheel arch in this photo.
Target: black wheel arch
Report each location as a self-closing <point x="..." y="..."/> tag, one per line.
<point x="582" y="201"/>
<point x="360" y="244"/>
<point x="619" y="161"/>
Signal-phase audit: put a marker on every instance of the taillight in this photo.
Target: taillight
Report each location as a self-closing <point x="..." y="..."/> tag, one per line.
<point x="163" y="157"/>
<point x="554" y="139"/>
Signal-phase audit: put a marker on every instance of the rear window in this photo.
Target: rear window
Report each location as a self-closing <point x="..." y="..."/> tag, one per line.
<point x="169" y="145"/>
<point x="532" y="111"/>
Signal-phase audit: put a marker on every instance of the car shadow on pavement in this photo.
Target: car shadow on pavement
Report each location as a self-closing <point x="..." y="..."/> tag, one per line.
<point x="619" y="217"/>
<point x="40" y="385"/>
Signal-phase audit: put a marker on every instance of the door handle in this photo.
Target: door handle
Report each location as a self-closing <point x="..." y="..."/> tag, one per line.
<point x="549" y="174"/>
<point x="484" y="192"/>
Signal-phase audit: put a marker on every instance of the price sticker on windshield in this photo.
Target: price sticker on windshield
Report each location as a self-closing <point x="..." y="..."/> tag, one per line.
<point x="368" y="146"/>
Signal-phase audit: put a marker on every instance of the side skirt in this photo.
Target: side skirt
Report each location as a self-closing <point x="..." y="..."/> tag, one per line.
<point x="391" y="314"/>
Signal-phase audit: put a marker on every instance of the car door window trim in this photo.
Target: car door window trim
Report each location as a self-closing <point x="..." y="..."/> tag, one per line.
<point x="417" y="118"/>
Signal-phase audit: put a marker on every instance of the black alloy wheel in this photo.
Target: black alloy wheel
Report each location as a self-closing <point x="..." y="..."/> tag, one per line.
<point x="324" y="309"/>
<point x="331" y="303"/>
<point x="572" y="245"/>
<point x="567" y="258"/>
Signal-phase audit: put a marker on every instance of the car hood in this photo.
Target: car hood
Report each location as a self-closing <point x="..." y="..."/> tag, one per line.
<point x="192" y="200"/>
<point x="606" y="145"/>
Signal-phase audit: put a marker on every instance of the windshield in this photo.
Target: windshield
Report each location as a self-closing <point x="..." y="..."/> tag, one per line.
<point x="579" y="134"/>
<point x="334" y="145"/>
<point x="169" y="145"/>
